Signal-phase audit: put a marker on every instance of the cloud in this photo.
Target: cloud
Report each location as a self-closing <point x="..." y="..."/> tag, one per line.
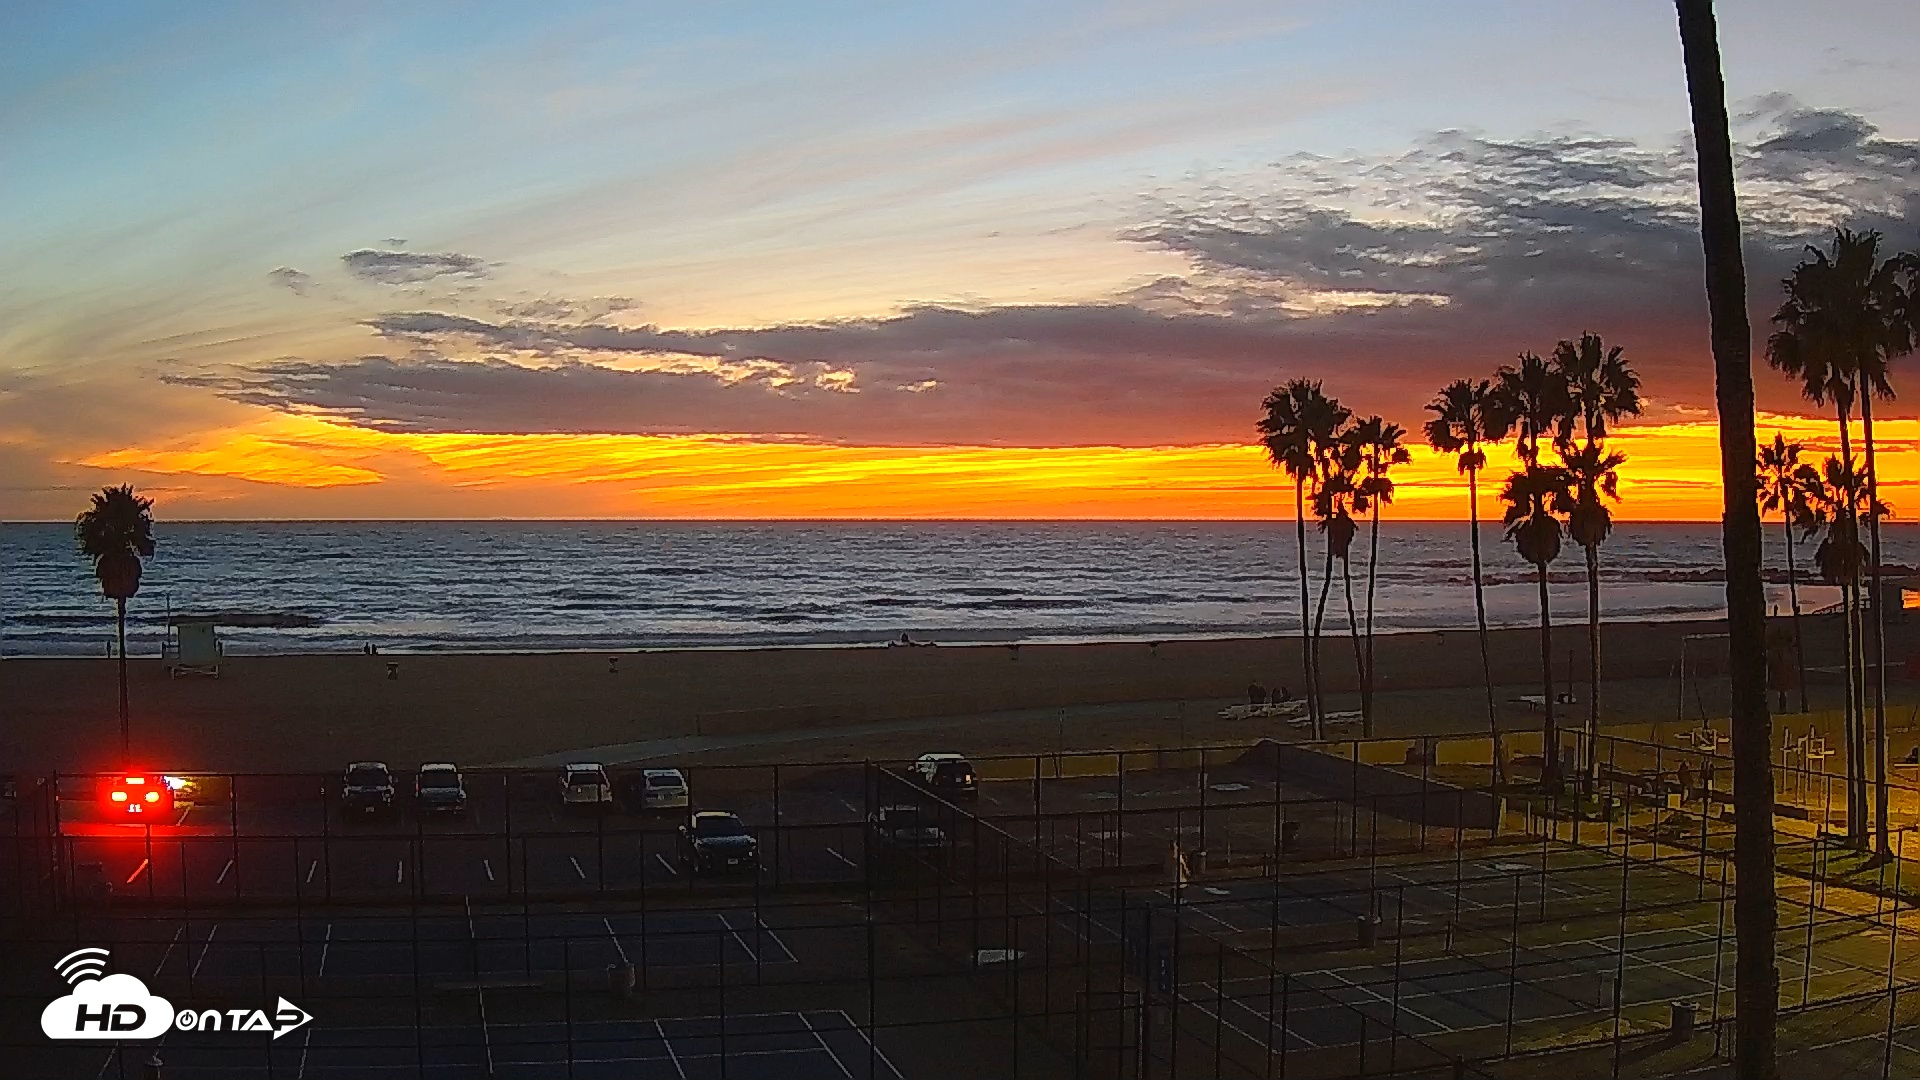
<point x="147" y="1015"/>
<point x="289" y="278"/>
<point x="561" y="309"/>
<point x="411" y="267"/>
<point x="1385" y="275"/>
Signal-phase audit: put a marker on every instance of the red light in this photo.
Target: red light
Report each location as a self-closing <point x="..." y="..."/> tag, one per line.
<point x="121" y="796"/>
<point x="136" y="780"/>
<point x="153" y="796"/>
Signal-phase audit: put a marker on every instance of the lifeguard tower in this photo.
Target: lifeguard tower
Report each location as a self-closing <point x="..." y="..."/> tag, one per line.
<point x="195" y="648"/>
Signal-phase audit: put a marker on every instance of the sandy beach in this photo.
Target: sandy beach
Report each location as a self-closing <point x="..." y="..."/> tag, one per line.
<point x="312" y="712"/>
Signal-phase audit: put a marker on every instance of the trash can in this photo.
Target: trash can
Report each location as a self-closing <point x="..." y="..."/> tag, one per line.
<point x="1683" y="1014"/>
<point x="1289" y="837"/>
<point x="1368" y="929"/>
<point x="620" y="979"/>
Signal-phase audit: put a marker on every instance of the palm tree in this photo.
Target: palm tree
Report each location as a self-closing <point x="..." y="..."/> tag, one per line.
<point x="1755" y="910"/>
<point x="1783" y="487"/>
<point x="1380" y="450"/>
<point x="1535" y="496"/>
<point x="1849" y="313"/>
<point x="1333" y="505"/>
<point x="1601" y="388"/>
<point x="1300" y="425"/>
<point x="1467" y="414"/>
<point x="1535" y="395"/>
<point x="1837" y="499"/>
<point x="116" y="532"/>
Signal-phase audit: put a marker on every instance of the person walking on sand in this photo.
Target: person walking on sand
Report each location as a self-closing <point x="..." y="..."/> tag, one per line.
<point x="1256" y="694"/>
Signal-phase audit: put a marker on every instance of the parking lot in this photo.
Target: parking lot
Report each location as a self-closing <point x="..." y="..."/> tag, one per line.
<point x="289" y="838"/>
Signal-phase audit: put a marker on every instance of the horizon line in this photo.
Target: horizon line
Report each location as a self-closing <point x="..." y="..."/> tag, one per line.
<point x="1485" y="521"/>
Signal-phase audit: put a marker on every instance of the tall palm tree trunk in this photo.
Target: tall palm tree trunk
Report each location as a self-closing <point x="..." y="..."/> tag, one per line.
<point x="1480" y="618"/>
<point x="1855" y="712"/>
<point x="1359" y="660"/>
<point x="1793" y="596"/>
<point x="1877" y="672"/>
<point x="1366" y="677"/>
<point x="126" y="730"/>
<point x="1550" y="728"/>
<point x="1593" y="663"/>
<point x="1320" y="615"/>
<point x="1850" y="716"/>
<point x="1306" y="645"/>
<point x="1755" y="911"/>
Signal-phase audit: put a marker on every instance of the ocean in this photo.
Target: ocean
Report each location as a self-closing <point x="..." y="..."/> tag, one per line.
<point x="509" y="586"/>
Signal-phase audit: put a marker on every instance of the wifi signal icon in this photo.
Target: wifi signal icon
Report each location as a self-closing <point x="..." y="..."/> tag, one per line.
<point x="82" y="965"/>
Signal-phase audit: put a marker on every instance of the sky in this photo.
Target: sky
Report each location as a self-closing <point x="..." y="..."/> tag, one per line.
<point x="746" y="260"/>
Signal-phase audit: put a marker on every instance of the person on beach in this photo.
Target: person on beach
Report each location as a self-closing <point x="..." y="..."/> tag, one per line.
<point x="1256" y="694"/>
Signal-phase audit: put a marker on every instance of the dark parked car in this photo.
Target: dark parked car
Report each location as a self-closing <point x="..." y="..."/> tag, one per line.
<point x="905" y="827"/>
<point x="946" y="774"/>
<point x="712" y="842"/>
<point x="439" y="786"/>
<point x="366" y="790"/>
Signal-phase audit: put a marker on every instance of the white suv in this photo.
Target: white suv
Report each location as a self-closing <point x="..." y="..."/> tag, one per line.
<point x="663" y="789"/>
<point x="584" y="786"/>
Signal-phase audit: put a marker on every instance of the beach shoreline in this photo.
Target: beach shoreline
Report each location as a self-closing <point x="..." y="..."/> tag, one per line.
<point x="310" y="712"/>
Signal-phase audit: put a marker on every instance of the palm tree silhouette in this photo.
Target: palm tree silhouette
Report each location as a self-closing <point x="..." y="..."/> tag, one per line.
<point x="1535" y="395"/>
<point x="1534" y="497"/>
<point x="1333" y="506"/>
<point x="1846" y="314"/>
<point x="1756" y="912"/>
<point x="1784" y="481"/>
<point x="116" y="532"/>
<point x="1601" y="388"/>
<point x="1300" y="426"/>
<point x="1466" y="415"/>
<point x="1380" y="450"/>
<point x="1836" y="500"/>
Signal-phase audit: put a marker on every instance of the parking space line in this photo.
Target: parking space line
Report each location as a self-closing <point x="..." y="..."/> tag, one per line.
<point x="843" y="858"/>
<point x="724" y="921"/>
<point x="666" y="864"/>
<point x="844" y="1071"/>
<point x="668" y="1043"/>
<point x="488" y="865"/>
<point x="224" y="871"/>
<point x="324" y="946"/>
<point x="305" y="1044"/>
<point x="178" y="931"/>
<point x="315" y="865"/>
<point x="205" y="948"/>
<point x="399" y="871"/>
<point x="581" y="874"/>
<point x="137" y="871"/>
<point x="619" y="948"/>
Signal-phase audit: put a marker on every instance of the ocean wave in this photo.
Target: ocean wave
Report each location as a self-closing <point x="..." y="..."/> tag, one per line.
<point x="558" y="586"/>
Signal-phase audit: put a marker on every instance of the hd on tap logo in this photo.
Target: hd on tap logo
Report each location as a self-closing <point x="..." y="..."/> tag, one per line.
<point x="118" y="1006"/>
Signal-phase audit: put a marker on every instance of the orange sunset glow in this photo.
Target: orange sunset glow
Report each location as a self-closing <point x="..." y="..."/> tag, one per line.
<point x="1672" y="474"/>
